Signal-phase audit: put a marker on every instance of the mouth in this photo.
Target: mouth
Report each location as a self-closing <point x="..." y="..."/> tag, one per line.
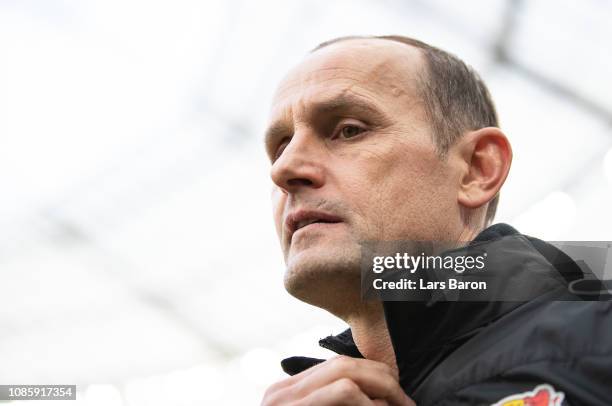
<point x="305" y="219"/>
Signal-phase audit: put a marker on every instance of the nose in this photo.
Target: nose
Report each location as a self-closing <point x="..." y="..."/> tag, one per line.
<point x="300" y="164"/>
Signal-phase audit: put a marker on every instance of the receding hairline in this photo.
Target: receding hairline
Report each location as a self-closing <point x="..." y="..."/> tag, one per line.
<point x="418" y="68"/>
<point x="356" y="38"/>
<point x="414" y="48"/>
<point x="414" y="58"/>
<point x="417" y="48"/>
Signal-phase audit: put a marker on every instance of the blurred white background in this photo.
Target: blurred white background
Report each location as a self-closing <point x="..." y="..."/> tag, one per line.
<point x="137" y="252"/>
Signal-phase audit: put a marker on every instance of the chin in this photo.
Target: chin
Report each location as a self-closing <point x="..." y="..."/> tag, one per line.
<point x="324" y="276"/>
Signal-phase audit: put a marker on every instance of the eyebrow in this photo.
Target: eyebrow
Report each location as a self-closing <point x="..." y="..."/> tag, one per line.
<point x="337" y="104"/>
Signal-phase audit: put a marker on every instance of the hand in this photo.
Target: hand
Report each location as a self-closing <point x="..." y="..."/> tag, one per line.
<point x="340" y="380"/>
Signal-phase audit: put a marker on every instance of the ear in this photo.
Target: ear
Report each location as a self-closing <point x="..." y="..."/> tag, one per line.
<point x="486" y="155"/>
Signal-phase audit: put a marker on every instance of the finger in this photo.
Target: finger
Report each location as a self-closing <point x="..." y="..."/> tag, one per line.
<point x="314" y="369"/>
<point x="375" y="379"/>
<point x="342" y="392"/>
<point x="297" y="377"/>
<point x="284" y="390"/>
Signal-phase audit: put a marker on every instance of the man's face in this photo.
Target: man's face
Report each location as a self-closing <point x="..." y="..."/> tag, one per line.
<point x="353" y="159"/>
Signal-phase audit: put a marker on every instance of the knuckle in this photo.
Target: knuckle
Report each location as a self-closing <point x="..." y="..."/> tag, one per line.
<point x="273" y="395"/>
<point x="347" y="388"/>
<point x="273" y="388"/>
<point x="344" y="363"/>
<point x="389" y="372"/>
<point x="389" y="385"/>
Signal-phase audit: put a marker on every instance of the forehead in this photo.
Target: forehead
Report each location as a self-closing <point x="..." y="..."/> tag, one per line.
<point x="377" y="69"/>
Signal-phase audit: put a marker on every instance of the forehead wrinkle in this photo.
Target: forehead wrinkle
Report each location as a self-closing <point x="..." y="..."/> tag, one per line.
<point x="347" y="100"/>
<point x="290" y="84"/>
<point x="381" y="61"/>
<point x="396" y="76"/>
<point x="382" y="80"/>
<point x="387" y="70"/>
<point x="343" y="101"/>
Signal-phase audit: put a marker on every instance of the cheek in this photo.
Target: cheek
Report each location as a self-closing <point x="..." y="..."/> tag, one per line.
<point x="397" y="190"/>
<point x="402" y="170"/>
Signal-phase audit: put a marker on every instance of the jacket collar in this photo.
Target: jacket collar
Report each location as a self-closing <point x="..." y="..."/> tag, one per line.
<point x="341" y="344"/>
<point x="423" y="334"/>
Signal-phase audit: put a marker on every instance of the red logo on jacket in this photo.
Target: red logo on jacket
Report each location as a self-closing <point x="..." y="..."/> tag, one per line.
<point x="542" y="395"/>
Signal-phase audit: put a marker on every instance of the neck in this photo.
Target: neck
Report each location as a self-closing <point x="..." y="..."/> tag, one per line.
<point x="371" y="335"/>
<point x="473" y="222"/>
<point x="468" y="234"/>
<point x="367" y="320"/>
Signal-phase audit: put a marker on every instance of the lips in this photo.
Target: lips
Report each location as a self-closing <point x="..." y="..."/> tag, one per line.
<point x="301" y="218"/>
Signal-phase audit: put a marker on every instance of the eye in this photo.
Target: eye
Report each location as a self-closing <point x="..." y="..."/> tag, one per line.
<point x="280" y="149"/>
<point x="350" y="131"/>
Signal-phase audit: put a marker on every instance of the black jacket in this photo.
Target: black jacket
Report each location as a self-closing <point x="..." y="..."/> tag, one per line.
<point x="553" y="350"/>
